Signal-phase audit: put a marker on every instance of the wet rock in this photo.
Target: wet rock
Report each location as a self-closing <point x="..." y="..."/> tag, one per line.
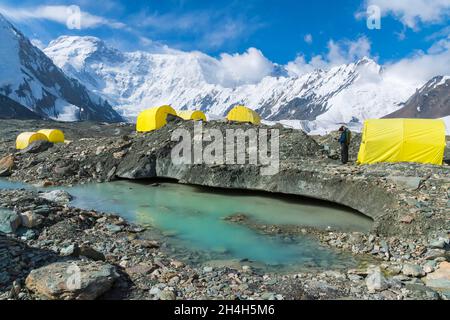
<point x="78" y="280"/>
<point x="37" y="147"/>
<point x="9" y="221"/>
<point x="412" y="270"/>
<point x="439" y="280"/>
<point x="58" y="196"/>
<point x="376" y="281"/>
<point x="6" y="166"/>
<point x="113" y="228"/>
<point x="29" y="219"/>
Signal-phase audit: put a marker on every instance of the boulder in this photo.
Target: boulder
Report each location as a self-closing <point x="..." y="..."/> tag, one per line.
<point x="376" y="281"/>
<point x="412" y="270"/>
<point x="77" y="280"/>
<point x="9" y="221"/>
<point x="71" y="250"/>
<point x="58" y="196"/>
<point x="439" y="280"/>
<point x="29" y="219"/>
<point x="6" y="166"/>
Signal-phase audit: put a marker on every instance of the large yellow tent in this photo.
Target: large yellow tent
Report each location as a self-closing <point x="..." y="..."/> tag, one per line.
<point x="195" y="115"/>
<point x="403" y="140"/>
<point x="154" y="118"/>
<point x="53" y="135"/>
<point x="243" y="114"/>
<point x="26" y="138"/>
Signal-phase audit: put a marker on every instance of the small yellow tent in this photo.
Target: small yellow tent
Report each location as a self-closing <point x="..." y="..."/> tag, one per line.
<point x="26" y="138"/>
<point x="154" y="118"/>
<point x="192" y="115"/>
<point x="243" y="114"/>
<point x="402" y="140"/>
<point x="53" y="135"/>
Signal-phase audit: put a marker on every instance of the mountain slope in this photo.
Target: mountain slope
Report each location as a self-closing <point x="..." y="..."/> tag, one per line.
<point x="9" y="109"/>
<point x="133" y="81"/>
<point x="430" y="101"/>
<point x="30" y="78"/>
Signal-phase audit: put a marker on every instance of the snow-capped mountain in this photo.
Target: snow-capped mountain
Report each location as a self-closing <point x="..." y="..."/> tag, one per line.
<point x="430" y="101"/>
<point x="30" y="78"/>
<point x="133" y="81"/>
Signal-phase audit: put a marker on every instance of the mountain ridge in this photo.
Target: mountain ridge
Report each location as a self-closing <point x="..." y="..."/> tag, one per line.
<point x="133" y="81"/>
<point x="31" y="79"/>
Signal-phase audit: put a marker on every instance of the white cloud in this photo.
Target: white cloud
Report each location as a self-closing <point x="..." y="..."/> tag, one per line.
<point x="308" y="38"/>
<point x="413" y="12"/>
<point x="247" y="68"/>
<point x="339" y="52"/>
<point x="422" y="66"/>
<point x="59" y="14"/>
<point x="232" y="70"/>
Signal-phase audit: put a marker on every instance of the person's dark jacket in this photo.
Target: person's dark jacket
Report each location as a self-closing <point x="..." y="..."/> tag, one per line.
<point x="346" y="137"/>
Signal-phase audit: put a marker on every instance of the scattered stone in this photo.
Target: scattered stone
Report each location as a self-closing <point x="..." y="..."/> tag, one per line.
<point x="29" y="219"/>
<point x="78" y="280"/>
<point x="407" y="219"/>
<point x="376" y="281"/>
<point x="9" y="221"/>
<point x="113" y="228"/>
<point x="177" y="264"/>
<point x="207" y="269"/>
<point x="71" y="250"/>
<point x="439" y="280"/>
<point x="438" y="244"/>
<point x="433" y="254"/>
<point x="412" y="270"/>
<point x="167" y="295"/>
<point x="91" y="253"/>
<point x="429" y="266"/>
<point x="58" y="196"/>
<point x="6" y="166"/>
<point x="141" y="269"/>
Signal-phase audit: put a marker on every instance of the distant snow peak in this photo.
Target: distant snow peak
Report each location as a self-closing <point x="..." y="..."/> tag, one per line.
<point x="32" y="80"/>
<point x="133" y="81"/>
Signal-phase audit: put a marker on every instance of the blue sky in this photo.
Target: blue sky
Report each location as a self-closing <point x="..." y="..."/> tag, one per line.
<point x="281" y="29"/>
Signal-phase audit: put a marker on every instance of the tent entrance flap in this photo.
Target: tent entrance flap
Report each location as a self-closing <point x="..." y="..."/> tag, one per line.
<point x="403" y="140"/>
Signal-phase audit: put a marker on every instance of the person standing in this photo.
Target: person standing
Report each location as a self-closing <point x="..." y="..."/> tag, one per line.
<point x="344" y="140"/>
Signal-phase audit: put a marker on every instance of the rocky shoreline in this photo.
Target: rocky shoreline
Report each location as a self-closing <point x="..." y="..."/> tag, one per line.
<point x="409" y="203"/>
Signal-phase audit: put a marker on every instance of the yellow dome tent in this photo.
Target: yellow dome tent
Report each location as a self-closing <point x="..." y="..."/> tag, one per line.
<point x="195" y="115"/>
<point x="243" y="114"/>
<point x="53" y="135"/>
<point x="26" y="138"/>
<point x="154" y="118"/>
<point x="403" y="140"/>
